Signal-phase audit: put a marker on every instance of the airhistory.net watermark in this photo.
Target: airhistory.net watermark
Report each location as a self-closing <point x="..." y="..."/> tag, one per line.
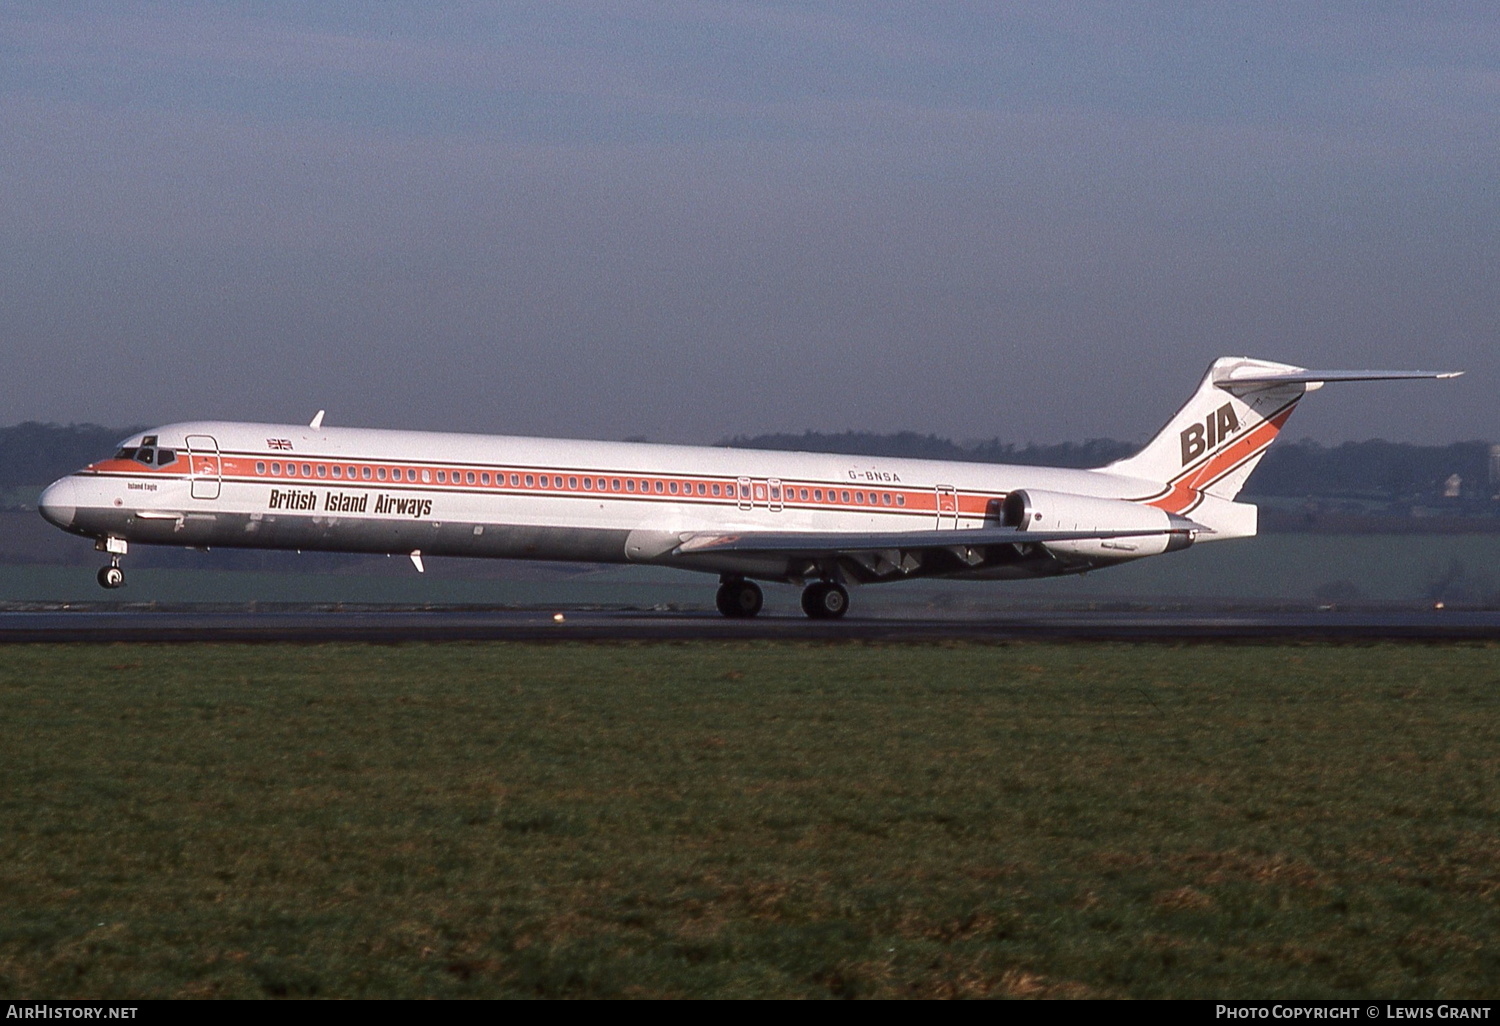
<point x="45" y="1011"/>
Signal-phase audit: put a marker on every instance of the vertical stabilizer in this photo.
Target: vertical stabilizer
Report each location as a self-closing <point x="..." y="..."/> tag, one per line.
<point x="1211" y="445"/>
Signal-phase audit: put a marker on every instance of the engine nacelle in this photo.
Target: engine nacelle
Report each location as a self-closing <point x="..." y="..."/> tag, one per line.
<point x="1036" y="510"/>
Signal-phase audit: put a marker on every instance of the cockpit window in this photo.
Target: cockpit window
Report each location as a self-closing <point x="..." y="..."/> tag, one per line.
<point x="147" y="455"/>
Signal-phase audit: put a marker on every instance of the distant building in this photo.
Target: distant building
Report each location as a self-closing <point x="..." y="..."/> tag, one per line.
<point x="1453" y="487"/>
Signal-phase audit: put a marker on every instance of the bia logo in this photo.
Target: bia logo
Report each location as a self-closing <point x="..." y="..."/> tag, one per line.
<point x="1199" y="438"/>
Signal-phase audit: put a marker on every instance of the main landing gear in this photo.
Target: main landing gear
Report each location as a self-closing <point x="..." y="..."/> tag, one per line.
<point x="112" y="576"/>
<point x="825" y="600"/>
<point x="739" y="599"/>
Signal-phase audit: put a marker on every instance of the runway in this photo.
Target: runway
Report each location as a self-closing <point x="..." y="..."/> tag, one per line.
<point x="388" y="627"/>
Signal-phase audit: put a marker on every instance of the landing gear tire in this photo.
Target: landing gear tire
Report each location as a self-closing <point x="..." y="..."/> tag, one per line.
<point x="739" y="600"/>
<point x="825" y="600"/>
<point x="111" y="577"/>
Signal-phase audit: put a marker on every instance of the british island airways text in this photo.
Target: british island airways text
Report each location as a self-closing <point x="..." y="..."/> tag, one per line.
<point x="339" y="502"/>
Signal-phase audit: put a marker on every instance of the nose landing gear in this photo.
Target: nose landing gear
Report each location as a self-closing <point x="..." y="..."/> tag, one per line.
<point x="112" y="576"/>
<point x="825" y="600"/>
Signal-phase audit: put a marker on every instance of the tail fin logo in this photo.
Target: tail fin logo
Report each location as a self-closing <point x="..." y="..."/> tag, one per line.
<point x="1216" y="427"/>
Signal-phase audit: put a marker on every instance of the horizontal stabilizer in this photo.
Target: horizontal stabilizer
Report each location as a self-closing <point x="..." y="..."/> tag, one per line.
<point x="1214" y="442"/>
<point x="1255" y="376"/>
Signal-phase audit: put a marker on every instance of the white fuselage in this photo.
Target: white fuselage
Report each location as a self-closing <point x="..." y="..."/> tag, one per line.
<point x="358" y="490"/>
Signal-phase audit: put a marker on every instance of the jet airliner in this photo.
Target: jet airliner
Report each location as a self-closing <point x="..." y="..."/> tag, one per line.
<point x="821" y="522"/>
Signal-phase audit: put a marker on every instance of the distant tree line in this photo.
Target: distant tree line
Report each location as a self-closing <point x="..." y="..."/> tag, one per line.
<point x="34" y="454"/>
<point x="910" y="445"/>
<point x="1395" y="472"/>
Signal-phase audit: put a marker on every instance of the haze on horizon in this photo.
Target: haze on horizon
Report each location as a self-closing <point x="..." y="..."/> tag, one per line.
<point x="689" y="220"/>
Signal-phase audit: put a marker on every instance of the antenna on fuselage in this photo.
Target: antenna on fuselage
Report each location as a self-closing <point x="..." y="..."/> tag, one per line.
<point x="317" y="421"/>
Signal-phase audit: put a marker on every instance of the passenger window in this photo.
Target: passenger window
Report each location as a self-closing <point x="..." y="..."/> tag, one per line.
<point x="659" y="488"/>
<point x="364" y="472"/>
<point x="900" y="500"/>
<point x="515" y="479"/>
<point x="716" y="489"/>
<point x="276" y="468"/>
<point x="530" y="481"/>
<point x="484" y="477"/>
<point x="442" y="477"/>
<point x="630" y="486"/>
<point x="469" y="477"/>
<point x="702" y="489"/>
<point x="817" y="495"/>
<point x="260" y="468"/>
<point x="338" y="471"/>
<point x="427" y="477"/>
<point x="615" y="484"/>
<point x="859" y="498"/>
<point x="673" y="487"/>
<point x="380" y="473"/>
<point x="322" y="470"/>
<point x="572" y="482"/>
<point x="887" y="498"/>
<point x="588" y="484"/>
<point x="307" y="470"/>
<point x="846" y="496"/>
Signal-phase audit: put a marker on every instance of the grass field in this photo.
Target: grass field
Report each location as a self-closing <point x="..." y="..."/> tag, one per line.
<point x="770" y="820"/>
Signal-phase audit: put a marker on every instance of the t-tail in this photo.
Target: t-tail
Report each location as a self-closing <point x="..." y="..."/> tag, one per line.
<point x="1202" y="458"/>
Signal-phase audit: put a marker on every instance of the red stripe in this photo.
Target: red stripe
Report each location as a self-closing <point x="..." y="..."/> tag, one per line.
<point x="1184" y="492"/>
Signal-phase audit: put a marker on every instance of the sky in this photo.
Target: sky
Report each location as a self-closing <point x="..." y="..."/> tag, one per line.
<point x="689" y="220"/>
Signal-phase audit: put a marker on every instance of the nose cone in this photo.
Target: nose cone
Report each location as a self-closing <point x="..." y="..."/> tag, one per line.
<point x="59" y="503"/>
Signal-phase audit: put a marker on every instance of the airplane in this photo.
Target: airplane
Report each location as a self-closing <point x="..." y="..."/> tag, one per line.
<point x="818" y="521"/>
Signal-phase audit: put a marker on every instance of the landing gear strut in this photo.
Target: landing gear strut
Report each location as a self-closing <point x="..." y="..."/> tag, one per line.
<point x="112" y="576"/>
<point x="825" y="600"/>
<point x="739" y="599"/>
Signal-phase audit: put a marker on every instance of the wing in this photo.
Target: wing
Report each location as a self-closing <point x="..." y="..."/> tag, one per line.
<point x="815" y="544"/>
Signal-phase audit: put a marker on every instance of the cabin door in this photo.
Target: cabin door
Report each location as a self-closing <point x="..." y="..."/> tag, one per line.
<point x="204" y="466"/>
<point x="947" y="507"/>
